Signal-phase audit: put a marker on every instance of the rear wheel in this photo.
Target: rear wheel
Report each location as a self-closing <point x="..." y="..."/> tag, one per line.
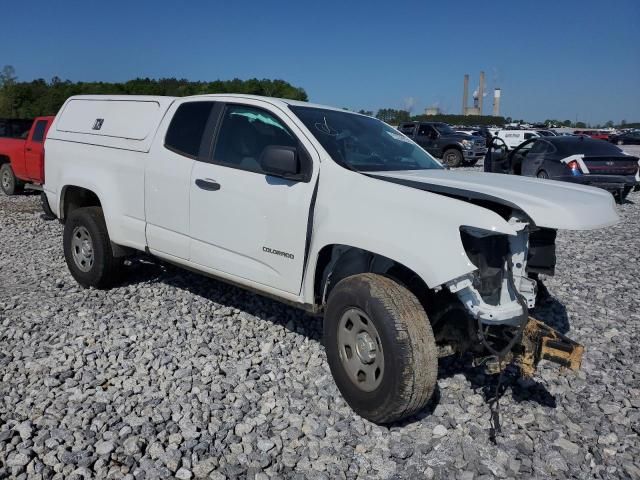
<point x="543" y="174"/>
<point x="380" y="347"/>
<point x="8" y="181"/>
<point x="87" y="249"/>
<point x="452" y="157"/>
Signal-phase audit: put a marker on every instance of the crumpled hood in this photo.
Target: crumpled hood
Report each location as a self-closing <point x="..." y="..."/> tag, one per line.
<point x="550" y="204"/>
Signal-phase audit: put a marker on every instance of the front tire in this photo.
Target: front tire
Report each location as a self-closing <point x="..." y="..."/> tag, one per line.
<point x="380" y="348"/>
<point x="87" y="249"/>
<point x="452" y="157"/>
<point x="8" y="181"/>
<point x="543" y="175"/>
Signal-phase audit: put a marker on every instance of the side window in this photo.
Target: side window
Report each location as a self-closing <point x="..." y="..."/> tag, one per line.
<point x="184" y="134"/>
<point x="38" y="131"/>
<point x="244" y="134"/>
<point x="407" y="128"/>
<point x="425" y="130"/>
<point x="538" y="147"/>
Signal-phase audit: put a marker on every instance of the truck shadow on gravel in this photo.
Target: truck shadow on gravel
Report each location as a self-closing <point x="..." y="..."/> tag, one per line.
<point x="297" y="321"/>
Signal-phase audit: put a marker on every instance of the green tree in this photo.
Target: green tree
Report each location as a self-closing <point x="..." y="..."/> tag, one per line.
<point x="39" y="97"/>
<point x="609" y="124"/>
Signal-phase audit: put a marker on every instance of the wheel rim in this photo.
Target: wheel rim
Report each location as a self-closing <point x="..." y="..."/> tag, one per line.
<point x="6" y="180"/>
<point x="82" y="249"/>
<point x="360" y="350"/>
<point x="450" y="159"/>
<point x="543" y="175"/>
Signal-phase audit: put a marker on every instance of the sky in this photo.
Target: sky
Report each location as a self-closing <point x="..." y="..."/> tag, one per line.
<point x="576" y="60"/>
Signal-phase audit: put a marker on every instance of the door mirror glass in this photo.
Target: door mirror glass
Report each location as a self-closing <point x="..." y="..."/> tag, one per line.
<point x="280" y="161"/>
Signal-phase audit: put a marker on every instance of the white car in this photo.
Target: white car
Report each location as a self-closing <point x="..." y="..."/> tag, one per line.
<point x="331" y="211"/>
<point x="513" y="138"/>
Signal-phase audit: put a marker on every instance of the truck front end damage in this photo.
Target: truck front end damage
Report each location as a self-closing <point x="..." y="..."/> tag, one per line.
<point x="498" y="296"/>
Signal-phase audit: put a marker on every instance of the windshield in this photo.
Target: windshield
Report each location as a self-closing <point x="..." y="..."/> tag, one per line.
<point x="444" y="129"/>
<point x="363" y="143"/>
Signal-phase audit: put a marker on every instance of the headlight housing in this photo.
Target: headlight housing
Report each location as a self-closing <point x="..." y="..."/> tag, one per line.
<point x="467" y="143"/>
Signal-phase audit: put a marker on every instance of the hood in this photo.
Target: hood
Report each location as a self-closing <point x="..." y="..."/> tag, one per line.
<point x="548" y="203"/>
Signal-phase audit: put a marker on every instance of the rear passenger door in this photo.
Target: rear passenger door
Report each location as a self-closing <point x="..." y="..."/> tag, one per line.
<point x="243" y="222"/>
<point x="168" y="176"/>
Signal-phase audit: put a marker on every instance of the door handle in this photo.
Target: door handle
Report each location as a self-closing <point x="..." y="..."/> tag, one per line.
<point x="208" y="184"/>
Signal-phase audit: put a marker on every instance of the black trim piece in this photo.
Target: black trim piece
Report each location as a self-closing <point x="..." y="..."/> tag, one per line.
<point x="307" y="245"/>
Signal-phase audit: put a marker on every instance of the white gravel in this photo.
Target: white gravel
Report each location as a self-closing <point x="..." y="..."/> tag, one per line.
<point x="172" y="374"/>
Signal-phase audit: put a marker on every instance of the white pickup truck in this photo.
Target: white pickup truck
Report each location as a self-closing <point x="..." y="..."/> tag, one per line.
<point x="328" y="210"/>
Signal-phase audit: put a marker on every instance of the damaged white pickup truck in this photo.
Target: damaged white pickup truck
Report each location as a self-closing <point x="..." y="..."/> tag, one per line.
<point x="327" y="210"/>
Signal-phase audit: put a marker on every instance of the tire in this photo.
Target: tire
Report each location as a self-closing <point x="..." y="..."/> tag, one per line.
<point x="92" y="264"/>
<point x="8" y="181"/>
<point x="543" y="175"/>
<point x="45" y="206"/>
<point x="401" y="343"/>
<point x="452" y="157"/>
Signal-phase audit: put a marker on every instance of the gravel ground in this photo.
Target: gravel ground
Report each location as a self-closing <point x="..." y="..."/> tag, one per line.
<point x="176" y="375"/>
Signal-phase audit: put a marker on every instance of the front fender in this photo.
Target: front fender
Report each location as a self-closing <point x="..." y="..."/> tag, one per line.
<point x="418" y="229"/>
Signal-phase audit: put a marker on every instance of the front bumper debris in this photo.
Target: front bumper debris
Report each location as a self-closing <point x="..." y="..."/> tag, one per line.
<point x="541" y="342"/>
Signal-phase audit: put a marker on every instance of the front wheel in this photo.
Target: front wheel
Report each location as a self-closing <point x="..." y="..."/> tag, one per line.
<point x="452" y="157"/>
<point x="8" y="181"/>
<point x="87" y="249"/>
<point x="380" y="348"/>
<point x="542" y="174"/>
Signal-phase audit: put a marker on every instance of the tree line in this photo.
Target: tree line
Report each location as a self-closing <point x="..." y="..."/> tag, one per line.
<point x="41" y="97"/>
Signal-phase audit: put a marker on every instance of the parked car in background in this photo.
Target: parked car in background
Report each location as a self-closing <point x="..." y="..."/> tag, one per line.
<point x="513" y="138"/>
<point x="22" y="160"/>
<point x="597" y="134"/>
<point x="580" y="160"/>
<point x="331" y="211"/>
<point x="629" y="138"/>
<point x="441" y="141"/>
<point x="546" y="133"/>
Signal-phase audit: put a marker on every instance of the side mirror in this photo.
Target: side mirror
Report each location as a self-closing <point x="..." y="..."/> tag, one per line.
<point x="283" y="162"/>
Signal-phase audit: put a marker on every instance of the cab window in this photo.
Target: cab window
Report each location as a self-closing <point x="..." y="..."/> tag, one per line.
<point x="244" y="134"/>
<point x="38" y="131"/>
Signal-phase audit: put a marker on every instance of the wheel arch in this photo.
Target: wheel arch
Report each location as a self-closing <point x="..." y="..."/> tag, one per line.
<point x="4" y="159"/>
<point x="338" y="261"/>
<point x="73" y="197"/>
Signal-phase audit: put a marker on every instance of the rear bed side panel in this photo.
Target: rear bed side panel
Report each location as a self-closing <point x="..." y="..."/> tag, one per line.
<point x="100" y="143"/>
<point x="115" y="176"/>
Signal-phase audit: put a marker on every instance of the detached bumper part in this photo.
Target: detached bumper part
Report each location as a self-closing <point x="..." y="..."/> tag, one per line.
<point x="541" y="342"/>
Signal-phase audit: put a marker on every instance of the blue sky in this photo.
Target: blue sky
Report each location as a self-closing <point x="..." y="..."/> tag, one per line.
<point x="560" y="59"/>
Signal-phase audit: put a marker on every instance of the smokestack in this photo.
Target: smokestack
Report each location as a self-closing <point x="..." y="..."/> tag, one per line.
<point x="496" y="102"/>
<point x="481" y="92"/>
<point x="465" y="94"/>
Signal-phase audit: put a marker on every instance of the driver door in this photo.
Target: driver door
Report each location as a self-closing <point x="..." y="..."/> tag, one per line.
<point x="427" y="138"/>
<point x="244" y="222"/>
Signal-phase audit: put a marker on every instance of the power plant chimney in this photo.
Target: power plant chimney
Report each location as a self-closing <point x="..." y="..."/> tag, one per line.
<point x="496" y="102"/>
<point x="465" y="94"/>
<point x="481" y="92"/>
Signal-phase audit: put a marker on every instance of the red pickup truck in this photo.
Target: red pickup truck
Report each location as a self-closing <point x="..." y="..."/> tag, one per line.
<point x="22" y="158"/>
